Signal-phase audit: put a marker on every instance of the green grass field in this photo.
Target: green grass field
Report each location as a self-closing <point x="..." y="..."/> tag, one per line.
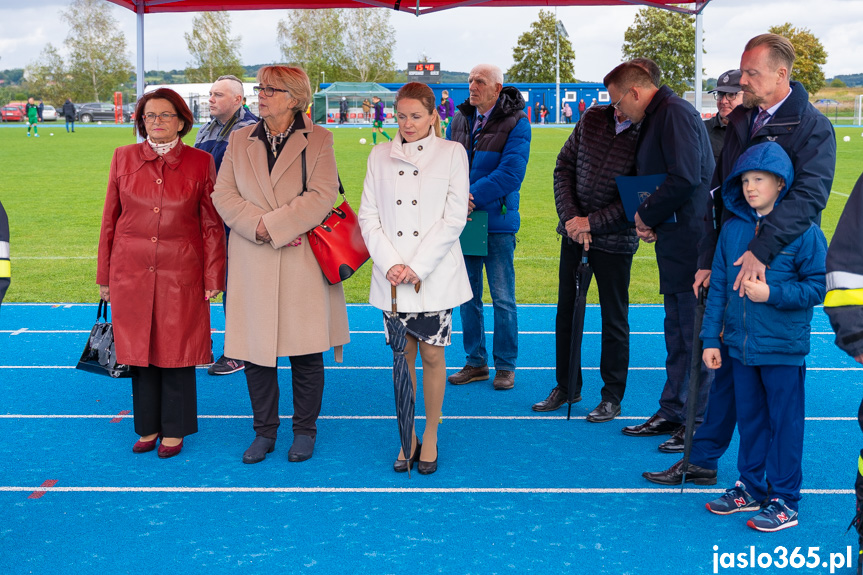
<point x="53" y="189"/>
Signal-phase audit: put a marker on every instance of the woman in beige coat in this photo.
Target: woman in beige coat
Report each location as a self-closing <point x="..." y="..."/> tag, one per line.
<point x="414" y="207"/>
<point x="281" y="304"/>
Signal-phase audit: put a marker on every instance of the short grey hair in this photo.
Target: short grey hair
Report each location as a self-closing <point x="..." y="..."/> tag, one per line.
<point x="237" y="84"/>
<point x="490" y="71"/>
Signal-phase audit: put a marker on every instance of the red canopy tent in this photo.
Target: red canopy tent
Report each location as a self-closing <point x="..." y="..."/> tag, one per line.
<point x="413" y="6"/>
<point x="418" y="7"/>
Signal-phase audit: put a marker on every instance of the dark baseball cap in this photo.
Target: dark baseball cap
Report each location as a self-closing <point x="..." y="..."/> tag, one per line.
<point x="728" y="82"/>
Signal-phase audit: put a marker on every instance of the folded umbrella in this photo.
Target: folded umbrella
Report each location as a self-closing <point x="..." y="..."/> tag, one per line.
<point x="694" y="381"/>
<point x="583" y="273"/>
<point x="402" y="385"/>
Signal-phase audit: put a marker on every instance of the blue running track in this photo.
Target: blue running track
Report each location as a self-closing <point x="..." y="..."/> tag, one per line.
<point x="515" y="492"/>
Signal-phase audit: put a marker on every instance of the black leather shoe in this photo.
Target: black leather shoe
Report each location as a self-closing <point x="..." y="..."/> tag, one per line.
<point x="428" y="467"/>
<point x="674" y="475"/>
<point x="656" y="425"/>
<point x="675" y="444"/>
<point x="259" y="449"/>
<point x="554" y="401"/>
<point x="401" y="465"/>
<point x="605" y="411"/>
<point x="303" y="448"/>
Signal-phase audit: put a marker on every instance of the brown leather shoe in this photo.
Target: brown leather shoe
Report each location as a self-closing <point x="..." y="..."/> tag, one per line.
<point x="469" y="374"/>
<point x="503" y="379"/>
<point x="554" y="401"/>
<point x="674" y="475"/>
<point x="656" y="425"/>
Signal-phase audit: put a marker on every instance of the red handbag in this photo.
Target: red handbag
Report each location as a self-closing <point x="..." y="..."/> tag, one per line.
<point x="337" y="242"/>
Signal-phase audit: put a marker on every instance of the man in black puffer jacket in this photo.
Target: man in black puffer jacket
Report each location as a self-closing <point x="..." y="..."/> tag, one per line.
<point x="592" y="221"/>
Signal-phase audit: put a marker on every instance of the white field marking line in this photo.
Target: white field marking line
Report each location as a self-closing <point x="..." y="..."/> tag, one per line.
<point x="55" y="257"/>
<point x="840" y="194"/>
<point x="376" y="417"/>
<point x="387" y="490"/>
<point x="356" y="332"/>
<point x="419" y="367"/>
<point x="353" y="332"/>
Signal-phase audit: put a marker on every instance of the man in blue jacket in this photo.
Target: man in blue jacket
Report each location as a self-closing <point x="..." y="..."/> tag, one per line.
<point x="807" y="137"/>
<point x="494" y="129"/>
<point x="672" y="141"/>
<point x="227" y="114"/>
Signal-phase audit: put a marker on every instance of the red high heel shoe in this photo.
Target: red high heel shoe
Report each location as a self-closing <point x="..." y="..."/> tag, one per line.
<point x="145" y="446"/>
<point x="165" y="451"/>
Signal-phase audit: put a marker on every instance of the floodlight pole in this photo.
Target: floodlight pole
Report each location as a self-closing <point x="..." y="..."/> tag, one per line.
<point x="557" y="66"/>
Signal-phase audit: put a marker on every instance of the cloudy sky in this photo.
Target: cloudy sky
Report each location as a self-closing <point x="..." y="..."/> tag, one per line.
<point x="462" y="37"/>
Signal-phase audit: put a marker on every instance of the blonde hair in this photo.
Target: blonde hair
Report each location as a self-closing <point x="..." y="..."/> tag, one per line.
<point x="294" y="80"/>
<point x="424" y="95"/>
<point x="781" y="49"/>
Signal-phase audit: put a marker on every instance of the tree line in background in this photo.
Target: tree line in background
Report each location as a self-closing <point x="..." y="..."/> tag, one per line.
<point x="356" y="45"/>
<point x="667" y="38"/>
<point x="331" y="44"/>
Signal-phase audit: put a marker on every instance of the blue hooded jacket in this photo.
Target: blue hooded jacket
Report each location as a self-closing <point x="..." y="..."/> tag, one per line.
<point x="775" y="332"/>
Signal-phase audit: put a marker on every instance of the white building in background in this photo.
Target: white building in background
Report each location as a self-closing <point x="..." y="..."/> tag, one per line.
<point x="197" y="96"/>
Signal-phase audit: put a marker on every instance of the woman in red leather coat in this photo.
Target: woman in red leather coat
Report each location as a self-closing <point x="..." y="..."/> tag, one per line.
<point x="161" y="258"/>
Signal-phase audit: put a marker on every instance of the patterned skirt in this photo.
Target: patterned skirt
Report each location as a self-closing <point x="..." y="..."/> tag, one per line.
<point x="432" y="327"/>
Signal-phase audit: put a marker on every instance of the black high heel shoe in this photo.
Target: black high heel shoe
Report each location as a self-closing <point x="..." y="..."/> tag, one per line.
<point x="401" y="465"/>
<point x="428" y="467"/>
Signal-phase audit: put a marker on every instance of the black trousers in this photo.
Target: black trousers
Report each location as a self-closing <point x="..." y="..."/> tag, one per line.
<point x="611" y="274"/>
<point x="165" y="401"/>
<point x="307" y="378"/>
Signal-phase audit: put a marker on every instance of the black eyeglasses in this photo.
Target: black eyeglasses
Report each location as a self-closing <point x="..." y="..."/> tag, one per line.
<point x="268" y="91"/>
<point x="164" y="116"/>
<point x="727" y="95"/>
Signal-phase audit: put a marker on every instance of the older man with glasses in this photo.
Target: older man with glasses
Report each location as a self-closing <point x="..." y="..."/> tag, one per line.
<point x="728" y="95"/>
<point x="227" y="115"/>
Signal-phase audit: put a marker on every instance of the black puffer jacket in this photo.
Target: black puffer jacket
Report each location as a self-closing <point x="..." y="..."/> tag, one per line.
<point x="584" y="180"/>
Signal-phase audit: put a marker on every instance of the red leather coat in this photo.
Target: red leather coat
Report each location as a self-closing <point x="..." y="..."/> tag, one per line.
<point x="162" y="244"/>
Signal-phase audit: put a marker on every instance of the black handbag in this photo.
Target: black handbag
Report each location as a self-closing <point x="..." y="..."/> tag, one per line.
<point x="99" y="356"/>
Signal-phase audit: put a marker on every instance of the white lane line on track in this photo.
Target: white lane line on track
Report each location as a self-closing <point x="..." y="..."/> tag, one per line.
<point x="387" y="490"/>
<point x="371" y="417"/>
<point x="356" y="332"/>
<point x="419" y="368"/>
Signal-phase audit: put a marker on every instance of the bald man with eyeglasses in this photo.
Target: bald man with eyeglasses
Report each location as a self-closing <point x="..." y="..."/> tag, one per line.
<point x="227" y="115"/>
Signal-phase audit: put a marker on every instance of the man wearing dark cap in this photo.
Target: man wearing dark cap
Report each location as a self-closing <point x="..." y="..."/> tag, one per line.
<point x="728" y="95"/>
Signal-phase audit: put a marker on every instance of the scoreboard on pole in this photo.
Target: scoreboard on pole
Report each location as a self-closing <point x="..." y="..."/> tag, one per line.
<point x="427" y="72"/>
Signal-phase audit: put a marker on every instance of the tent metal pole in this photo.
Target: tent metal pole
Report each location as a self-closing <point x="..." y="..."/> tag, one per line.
<point x="699" y="43"/>
<point x="139" y="57"/>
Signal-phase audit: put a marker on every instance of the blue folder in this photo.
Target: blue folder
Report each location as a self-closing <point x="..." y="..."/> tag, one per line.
<point x="634" y="190"/>
<point x="474" y="238"/>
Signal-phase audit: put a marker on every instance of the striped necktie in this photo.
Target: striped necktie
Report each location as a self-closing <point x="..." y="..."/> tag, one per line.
<point x="477" y="129"/>
<point x="762" y="118"/>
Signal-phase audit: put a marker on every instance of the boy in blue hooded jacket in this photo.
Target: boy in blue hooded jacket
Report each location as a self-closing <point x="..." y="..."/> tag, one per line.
<point x="766" y="328"/>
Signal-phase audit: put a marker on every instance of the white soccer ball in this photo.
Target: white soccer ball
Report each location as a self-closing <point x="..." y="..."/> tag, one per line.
<point x="362" y="140"/>
<point x="100" y="123"/>
<point x="846" y="139"/>
<point x="51" y="134"/>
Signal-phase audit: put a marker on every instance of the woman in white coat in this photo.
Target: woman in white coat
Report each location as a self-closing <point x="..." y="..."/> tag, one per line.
<point x="414" y="207"/>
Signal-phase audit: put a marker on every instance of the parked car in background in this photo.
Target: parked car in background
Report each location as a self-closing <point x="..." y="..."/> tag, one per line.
<point x="49" y="113"/>
<point x="98" y="112"/>
<point x="129" y="110"/>
<point x="12" y="113"/>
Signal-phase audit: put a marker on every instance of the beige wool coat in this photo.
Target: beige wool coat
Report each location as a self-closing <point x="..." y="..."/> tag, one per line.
<point x="279" y="303"/>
